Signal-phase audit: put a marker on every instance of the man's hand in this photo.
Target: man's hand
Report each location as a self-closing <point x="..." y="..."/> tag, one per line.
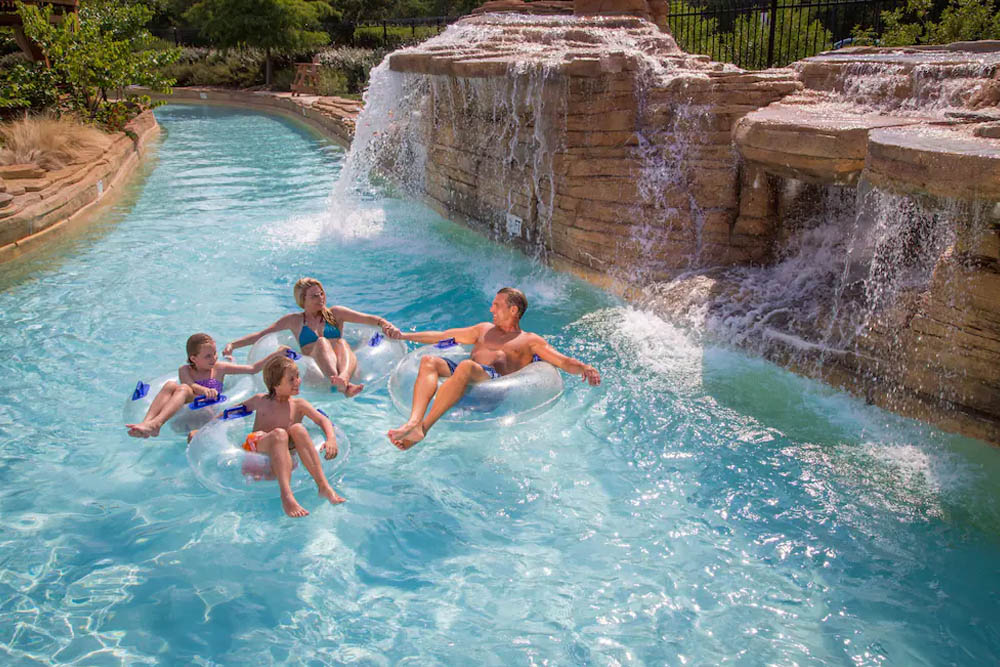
<point x="591" y="375"/>
<point x="227" y="351"/>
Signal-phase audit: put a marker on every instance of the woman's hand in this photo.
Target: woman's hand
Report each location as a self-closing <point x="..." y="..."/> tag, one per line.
<point x="389" y="329"/>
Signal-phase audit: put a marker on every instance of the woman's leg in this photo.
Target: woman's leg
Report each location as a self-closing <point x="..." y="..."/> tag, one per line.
<point x="322" y="351"/>
<point x="310" y="459"/>
<point x="347" y="361"/>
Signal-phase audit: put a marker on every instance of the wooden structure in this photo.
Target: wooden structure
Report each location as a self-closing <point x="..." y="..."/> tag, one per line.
<point x="306" y="79"/>
<point x="9" y="17"/>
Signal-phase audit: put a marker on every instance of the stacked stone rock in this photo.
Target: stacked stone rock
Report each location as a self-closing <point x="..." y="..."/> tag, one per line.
<point x="918" y="124"/>
<point x="599" y="109"/>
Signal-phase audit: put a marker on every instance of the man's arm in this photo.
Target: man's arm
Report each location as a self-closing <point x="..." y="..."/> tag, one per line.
<point x="463" y="335"/>
<point x="548" y="353"/>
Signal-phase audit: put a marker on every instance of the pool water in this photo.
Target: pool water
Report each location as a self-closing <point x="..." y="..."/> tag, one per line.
<point x="700" y="507"/>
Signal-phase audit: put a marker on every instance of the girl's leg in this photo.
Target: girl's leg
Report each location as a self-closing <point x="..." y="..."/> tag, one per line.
<point x="347" y="361"/>
<point x="275" y="445"/>
<point x="168" y="401"/>
<point x="322" y="351"/>
<point x="424" y="388"/>
<point x="310" y="459"/>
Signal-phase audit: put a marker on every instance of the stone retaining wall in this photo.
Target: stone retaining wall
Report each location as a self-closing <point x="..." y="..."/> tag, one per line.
<point x="37" y="206"/>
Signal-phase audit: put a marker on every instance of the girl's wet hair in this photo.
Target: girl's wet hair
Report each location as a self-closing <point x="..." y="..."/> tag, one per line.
<point x="299" y="291"/>
<point x="274" y="372"/>
<point x="194" y="345"/>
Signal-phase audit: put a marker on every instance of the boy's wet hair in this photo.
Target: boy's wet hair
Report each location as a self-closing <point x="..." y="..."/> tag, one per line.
<point x="274" y="372"/>
<point x="194" y="345"/>
<point x="515" y="297"/>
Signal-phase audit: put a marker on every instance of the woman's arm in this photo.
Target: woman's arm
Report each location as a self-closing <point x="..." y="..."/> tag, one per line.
<point x="347" y="315"/>
<point x="285" y="322"/>
<point x="463" y="335"/>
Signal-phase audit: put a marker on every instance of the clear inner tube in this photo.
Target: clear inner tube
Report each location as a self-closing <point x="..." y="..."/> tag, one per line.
<point x="197" y="413"/>
<point x="220" y="463"/>
<point x="508" y="399"/>
<point x="376" y="354"/>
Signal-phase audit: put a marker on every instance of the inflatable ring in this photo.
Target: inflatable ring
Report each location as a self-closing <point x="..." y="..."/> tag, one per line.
<point x="376" y="354"/>
<point x="220" y="463"/>
<point x="197" y="413"/>
<point x="509" y="398"/>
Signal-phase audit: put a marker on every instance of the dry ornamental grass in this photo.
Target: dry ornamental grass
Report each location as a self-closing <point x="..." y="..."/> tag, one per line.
<point x="51" y="143"/>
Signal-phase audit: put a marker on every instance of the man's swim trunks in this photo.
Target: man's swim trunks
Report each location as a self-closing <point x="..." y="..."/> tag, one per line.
<point x="250" y="444"/>
<point x="492" y="372"/>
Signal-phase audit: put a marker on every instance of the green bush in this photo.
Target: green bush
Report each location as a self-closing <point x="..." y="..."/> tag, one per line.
<point x="394" y="36"/>
<point x="353" y="63"/>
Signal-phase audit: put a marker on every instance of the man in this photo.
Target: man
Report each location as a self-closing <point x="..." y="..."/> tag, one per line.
<point x="500" y="348"/>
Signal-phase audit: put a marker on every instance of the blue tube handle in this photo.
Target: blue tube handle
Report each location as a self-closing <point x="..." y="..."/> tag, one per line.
<point x="292" y="354"/>
<point x="445" y="344"/>
<point x="141" y="389"/>
<point x="202" y="400"/>
<point x="237" y="412"/>
<point x="535" y="358"/>
<point x="375" y="340"/>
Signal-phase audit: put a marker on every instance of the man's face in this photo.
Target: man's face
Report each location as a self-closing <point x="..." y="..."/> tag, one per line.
<point x="503" y="313"/>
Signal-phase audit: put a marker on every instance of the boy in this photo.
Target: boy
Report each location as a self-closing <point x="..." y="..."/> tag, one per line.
<point x="278" y="429"/>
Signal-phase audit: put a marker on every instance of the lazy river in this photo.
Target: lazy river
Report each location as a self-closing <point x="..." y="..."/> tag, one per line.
<point x="701" y="506"/>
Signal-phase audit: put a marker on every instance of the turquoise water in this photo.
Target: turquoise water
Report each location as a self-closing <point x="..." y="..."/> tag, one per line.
<point x="700" y="507"/>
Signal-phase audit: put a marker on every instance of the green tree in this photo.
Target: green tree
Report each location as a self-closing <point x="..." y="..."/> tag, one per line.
<point x="272" y="25"/>
<point x="89" y="55"/>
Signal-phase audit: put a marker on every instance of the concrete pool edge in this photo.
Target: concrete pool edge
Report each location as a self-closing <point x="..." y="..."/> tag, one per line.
<point x="64" y="207"/>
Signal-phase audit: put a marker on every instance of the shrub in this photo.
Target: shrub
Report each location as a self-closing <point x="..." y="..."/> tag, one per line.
<point x="353" y="63"/>
<point x="52" y="143"/>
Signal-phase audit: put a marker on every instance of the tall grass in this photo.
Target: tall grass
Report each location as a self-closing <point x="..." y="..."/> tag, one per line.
<point x="51" y="143"/>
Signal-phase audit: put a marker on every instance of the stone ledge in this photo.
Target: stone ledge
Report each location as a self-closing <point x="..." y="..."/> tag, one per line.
<point x="43" y="209"/>
<point x="333" y="117"/>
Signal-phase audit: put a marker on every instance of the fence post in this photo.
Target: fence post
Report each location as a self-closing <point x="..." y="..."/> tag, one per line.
<point x="770" y="34"/>
<point x="385" y="33"/>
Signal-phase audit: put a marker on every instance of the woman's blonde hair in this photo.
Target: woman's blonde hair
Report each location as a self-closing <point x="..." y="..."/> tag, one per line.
<point x="299" y="291"/>
<point x="274" y="372"/>
<point x="194" y="345"/>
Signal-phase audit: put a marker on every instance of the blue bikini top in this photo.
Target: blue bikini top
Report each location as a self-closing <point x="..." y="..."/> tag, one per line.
<point x="307" y="336"/>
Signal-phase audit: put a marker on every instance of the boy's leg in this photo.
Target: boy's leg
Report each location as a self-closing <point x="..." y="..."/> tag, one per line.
<point x="310" y="459"/>
<point x="275" y="445"/>
<point x="424" y="388"/>
<point x="168" y="401"/>
<point x="347" y="362"/>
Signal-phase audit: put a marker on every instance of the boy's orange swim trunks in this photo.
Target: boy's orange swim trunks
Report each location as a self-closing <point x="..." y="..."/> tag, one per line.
<point x="250" y="444"/>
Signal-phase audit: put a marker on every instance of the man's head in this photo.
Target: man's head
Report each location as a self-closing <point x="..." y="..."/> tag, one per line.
<point x="508" y="306"/>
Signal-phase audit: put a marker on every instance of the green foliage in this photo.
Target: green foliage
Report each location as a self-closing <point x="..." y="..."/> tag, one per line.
<point x="913" y="23"/>
<point x="91" y="56"/>
<point x="25" y="86"/>
<point x="278" y="25"/>
<point x="393" y="37"/>
<point x="353" y="64"/>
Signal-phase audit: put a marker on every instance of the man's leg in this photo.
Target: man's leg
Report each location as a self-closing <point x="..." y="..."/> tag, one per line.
<point x="431" y="369"/>
<point x="467" y="372"/>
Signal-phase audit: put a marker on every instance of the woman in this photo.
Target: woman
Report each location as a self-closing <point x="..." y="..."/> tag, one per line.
<point x="318" y="330"/>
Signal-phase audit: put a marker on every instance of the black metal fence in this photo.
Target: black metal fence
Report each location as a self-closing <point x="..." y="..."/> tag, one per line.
<point x="756" y="34"/>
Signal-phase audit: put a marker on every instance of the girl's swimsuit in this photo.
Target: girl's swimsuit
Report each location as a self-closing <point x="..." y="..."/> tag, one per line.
<point x="210" y="383"/>
<point x="307" y="336"/>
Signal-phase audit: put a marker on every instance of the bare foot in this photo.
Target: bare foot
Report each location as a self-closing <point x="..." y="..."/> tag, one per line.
<point x="331" y="495"/>
<point x="292" y="507"/>
<point x="404" y="438"/>
<point x="339" y="383"/>
<point x="397" y="433"/>
<point x="353" y="390"/>
<point x="140" y="430"/>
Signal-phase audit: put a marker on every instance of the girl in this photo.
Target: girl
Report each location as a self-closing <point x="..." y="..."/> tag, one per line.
<point x="202" y="375"/>
<point x="318" y="330"/>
